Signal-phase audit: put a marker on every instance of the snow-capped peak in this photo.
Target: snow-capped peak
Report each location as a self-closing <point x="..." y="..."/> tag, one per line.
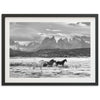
<point x="23" y="43"/>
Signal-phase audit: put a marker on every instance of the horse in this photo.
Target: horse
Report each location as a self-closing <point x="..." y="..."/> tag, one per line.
<point x="49" y="63"/>
<point x="61" y="62"/>
<point x="43" y="63"/>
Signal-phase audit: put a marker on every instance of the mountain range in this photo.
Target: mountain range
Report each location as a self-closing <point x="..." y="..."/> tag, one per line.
<point x="51" y="43"/>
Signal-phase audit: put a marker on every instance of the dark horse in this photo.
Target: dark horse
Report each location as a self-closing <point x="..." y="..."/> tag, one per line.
<point x="61" y="62"/>
<point x="49" y="63"/>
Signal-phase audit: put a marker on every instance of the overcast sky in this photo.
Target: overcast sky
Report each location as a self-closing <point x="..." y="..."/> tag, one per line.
<point x="37" y="31"/>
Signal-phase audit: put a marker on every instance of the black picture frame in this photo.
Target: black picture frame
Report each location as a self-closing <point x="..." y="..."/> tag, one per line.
<point x="4" y="16"/>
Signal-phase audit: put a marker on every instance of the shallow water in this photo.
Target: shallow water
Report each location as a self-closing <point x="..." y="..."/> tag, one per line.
<point x="27" y="68"/>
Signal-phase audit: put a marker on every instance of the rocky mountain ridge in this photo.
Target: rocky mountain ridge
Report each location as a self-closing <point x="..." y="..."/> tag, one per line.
<point x="51" y="43"/>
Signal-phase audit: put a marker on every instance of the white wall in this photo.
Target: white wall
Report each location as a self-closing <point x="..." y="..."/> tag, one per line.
<point x="49" y="92"/>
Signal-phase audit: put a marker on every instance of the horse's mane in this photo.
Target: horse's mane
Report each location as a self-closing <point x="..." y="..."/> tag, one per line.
<point x="64" y="60"/>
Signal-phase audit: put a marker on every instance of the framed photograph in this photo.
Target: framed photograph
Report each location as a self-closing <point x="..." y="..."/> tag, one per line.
<point x="50" y="49"/>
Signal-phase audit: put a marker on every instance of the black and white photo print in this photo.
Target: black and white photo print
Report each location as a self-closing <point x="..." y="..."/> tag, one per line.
<point x="50" y="50"/>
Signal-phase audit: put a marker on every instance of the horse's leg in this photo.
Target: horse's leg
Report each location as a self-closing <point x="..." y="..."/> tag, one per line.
<point x="41" y="69"/>
<point x="62" y="65"/>
<point x="56" y="64"/>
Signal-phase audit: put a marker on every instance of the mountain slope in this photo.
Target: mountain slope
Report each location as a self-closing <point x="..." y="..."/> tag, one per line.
<point x="48" y="43"/>
<point x="75" y="42"/>
<point x="81" y="52"/>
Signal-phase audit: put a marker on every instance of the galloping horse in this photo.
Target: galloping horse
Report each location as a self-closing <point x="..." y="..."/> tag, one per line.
<point x="50" y="63"/>
<point x="61" y="62"/>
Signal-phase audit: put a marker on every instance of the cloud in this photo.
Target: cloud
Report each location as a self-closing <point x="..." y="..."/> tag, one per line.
<point x="21" y="32"/>
<point x="37" y="31"/>
<point x="80" y="24"/>
<point x="56" y="30"/>
<point x="52" y="30"/>
<point x="47" y="29"/>
<point x="84" y="24"/>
